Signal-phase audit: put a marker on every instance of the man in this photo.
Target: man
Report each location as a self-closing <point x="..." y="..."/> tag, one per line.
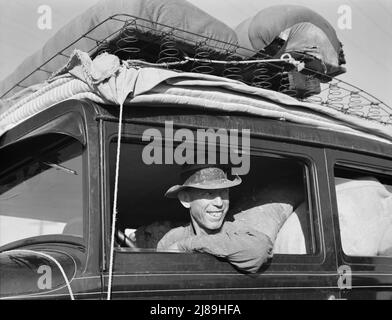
<point x="205" y="192"/>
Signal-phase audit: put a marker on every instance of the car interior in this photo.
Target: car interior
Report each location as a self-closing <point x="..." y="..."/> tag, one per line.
<point x="145" y="215"/>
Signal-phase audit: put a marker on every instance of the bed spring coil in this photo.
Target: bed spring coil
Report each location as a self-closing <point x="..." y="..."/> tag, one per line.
<point x="205" y="67"/>
<point x="261" y="77"/>
<point x="127" y="43"/>
<point x="168" y="49"/>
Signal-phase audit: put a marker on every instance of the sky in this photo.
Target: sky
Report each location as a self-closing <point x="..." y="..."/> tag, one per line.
<point x="367" y="44"/>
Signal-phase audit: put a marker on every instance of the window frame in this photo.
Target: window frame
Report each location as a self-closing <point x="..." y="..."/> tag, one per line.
<point x="64" y="140"/>
<point x="363" y="162"/>
<point x="323" y="260"/>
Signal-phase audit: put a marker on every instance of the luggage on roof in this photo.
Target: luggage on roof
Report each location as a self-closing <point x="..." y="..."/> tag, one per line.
<point x="294" y="29"/>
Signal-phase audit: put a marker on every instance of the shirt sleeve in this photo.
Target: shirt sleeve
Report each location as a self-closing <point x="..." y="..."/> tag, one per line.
<point x="244" y="247"/>
<point x="171" y="237"/>
<point x="164" y="243"/>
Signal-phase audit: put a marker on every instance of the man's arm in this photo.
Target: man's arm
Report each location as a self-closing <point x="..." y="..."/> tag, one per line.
<point x="244" y="247"/>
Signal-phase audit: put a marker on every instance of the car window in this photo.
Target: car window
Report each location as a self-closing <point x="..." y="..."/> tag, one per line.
<point x="364" y="202"/>
<point x="41" y="193"/>
<point x="273" y="198"/>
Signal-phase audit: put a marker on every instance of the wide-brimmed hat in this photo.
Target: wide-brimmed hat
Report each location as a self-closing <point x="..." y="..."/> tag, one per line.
<point x="203" y="177"/>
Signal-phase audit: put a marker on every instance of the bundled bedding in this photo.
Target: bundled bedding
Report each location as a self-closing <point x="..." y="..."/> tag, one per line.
<point x="108" y="80"/>
<point x="296" y="30"/>
<point x="82" y="71"/>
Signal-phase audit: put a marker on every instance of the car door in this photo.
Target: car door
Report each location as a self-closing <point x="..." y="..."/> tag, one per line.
<point x="303" y="268"/>
<point x="361" y="193"/>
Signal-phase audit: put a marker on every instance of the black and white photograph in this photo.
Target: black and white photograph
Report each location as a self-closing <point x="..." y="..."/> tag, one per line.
<point x="195" y="154"/>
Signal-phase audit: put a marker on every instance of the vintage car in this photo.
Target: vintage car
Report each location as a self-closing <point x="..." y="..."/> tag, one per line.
<point x="87" y="156"/>
<point x="57" y="173"/>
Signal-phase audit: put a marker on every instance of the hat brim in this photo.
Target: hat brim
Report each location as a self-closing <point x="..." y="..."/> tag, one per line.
<point x="174" y="190"/>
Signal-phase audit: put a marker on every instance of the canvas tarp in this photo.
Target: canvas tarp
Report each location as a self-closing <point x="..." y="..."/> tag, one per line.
<point x="107" y="80"/>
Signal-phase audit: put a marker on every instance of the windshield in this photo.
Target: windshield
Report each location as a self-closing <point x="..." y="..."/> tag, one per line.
<point x="42" y="194"/>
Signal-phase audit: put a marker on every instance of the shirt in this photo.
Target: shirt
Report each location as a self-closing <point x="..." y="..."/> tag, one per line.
<point x="240" y="244"/>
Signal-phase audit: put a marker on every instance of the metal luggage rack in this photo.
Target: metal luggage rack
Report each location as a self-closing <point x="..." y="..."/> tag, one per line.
<point x="138" y="41"/>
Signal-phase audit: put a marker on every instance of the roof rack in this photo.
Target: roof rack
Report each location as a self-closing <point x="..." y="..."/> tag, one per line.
<point x="181" y="50"/>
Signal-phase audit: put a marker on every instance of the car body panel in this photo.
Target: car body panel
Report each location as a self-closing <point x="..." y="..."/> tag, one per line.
<point x="25" y="270"/>
<point x="139" y="275"/>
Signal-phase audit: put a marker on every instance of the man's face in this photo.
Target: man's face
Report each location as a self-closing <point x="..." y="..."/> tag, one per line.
<point x="208" y="208"/>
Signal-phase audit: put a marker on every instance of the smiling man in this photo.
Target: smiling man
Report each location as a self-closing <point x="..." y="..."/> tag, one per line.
<point x="205" y="192"/>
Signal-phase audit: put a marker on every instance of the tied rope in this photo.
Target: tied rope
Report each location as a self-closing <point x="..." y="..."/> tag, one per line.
<point x="114" y="216"/>
<point x="286" y="58"/>
<point x="52" y="259"/>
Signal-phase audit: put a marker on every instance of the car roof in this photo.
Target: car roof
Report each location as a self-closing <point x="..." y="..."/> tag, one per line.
<point x="272" y="129"/>
<point x="80" y="112"/>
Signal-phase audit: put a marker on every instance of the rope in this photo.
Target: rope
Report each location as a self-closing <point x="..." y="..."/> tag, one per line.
<point x="115" y="204"/>
<point x="139" y="63"/>
<point x="52" y="259"/>
<point x="286" y="57"/>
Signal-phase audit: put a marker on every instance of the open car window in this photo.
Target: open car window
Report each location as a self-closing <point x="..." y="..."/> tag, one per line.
<point x="364" y="202"/>
<point x="41" y="190"/>
<point x="273" y="197"/>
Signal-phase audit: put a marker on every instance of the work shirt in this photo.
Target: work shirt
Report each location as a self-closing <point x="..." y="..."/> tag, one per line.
<point x="241" y="245"/>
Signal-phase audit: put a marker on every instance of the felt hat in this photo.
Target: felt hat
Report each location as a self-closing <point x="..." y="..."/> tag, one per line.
<point x="203" y="177"/>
